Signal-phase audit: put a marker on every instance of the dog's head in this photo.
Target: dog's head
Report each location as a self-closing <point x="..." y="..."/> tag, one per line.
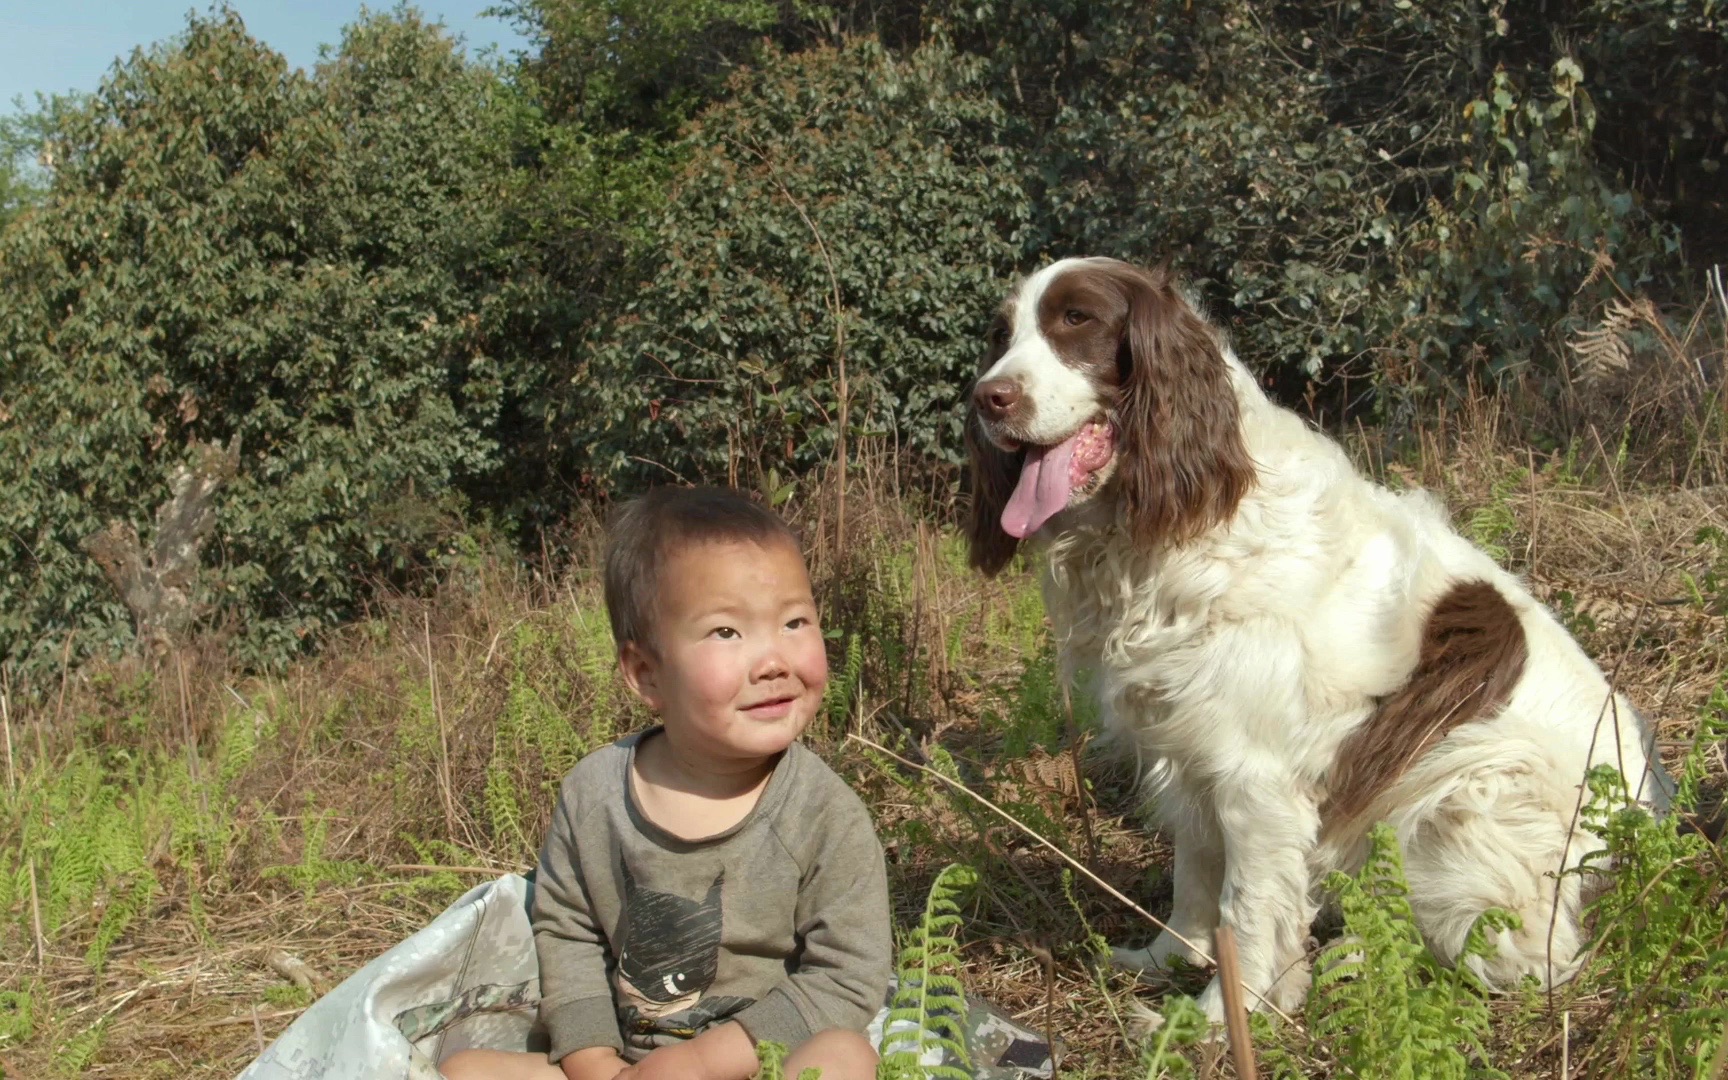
<point x="1101" y="381"/>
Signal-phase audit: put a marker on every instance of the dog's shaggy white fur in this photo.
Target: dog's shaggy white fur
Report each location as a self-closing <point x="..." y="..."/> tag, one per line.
<point x="1291" y="651"/>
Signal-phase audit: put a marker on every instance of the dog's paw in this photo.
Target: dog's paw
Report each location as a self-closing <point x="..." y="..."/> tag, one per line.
<point x="1212" y="1003"/>
<point x="1145" y="1022"/>
<point x="1290" y="992"/>
<point x="1167" y="953"/>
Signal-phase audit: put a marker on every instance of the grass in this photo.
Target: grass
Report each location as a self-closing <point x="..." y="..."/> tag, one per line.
<point x="167" y="827"/>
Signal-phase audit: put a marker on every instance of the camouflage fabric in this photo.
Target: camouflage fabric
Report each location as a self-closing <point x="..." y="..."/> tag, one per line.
<point x="424" y="1021"/>
<point x="433" y="994"/>
<point x="999" y="1048"/>
<point x="470" y="979"/>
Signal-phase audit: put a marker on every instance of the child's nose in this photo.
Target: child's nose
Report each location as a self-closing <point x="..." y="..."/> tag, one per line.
<point x="771" y="665"/>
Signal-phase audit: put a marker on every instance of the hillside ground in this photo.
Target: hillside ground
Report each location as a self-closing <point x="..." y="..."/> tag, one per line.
<point x="189" y="853"/>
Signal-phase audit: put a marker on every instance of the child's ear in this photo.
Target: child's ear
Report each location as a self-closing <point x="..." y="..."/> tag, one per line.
<point x="640" y="673"/>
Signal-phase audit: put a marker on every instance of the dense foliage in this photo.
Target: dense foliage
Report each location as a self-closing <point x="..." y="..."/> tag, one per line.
<point x="845" y="207"/>
<point x="421" y="289"/>
<point x="233" y="249"/>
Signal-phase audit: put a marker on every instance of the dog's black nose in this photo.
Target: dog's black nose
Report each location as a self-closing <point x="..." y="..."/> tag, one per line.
<point x="996" y="398"/>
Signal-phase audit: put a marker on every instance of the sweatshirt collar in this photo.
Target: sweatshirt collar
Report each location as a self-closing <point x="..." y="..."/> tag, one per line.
<point x="773" y="793"/>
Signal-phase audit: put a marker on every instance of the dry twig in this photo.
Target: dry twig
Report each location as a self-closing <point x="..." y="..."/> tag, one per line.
<point x="1072" y="862"/>
<point x="295" y="970"/>
<point x="444" y="788"/>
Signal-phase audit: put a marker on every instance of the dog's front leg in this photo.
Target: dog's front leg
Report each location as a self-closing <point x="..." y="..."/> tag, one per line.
<point x="1268" y="831"/>
<point x="1198" y="878"/>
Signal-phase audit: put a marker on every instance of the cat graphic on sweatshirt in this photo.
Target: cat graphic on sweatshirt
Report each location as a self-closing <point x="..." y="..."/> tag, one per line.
<point x="669" y="958"/>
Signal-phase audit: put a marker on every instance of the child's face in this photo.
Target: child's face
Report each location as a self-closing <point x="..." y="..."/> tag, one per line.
<point x="738" y="667"/>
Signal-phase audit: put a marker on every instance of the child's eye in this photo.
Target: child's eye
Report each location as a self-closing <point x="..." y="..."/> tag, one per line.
<point x="798" y="624"/>
<point x="724" y="633"/>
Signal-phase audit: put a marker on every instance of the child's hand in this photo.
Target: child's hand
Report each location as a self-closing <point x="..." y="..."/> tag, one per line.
<point x="666" y="1063"/>
<point x="594" y="1063"/>
<point x="722" y="1053"/>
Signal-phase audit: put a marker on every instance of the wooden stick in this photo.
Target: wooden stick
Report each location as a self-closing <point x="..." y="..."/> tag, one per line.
<point x="1074" y="744"/>
<point x="296" y="971"/>
<point x="843" y="393"/>
<point x="186" y="728"/>
<point x="65" y="670"/>
<point x="29" y="856"/>
<point x="1049" y="959"/>
<point x="1071" y="861"/>
<point x="1235" y="1016"/>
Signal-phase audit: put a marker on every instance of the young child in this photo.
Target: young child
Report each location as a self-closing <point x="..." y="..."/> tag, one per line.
<point x="709" y="883"/>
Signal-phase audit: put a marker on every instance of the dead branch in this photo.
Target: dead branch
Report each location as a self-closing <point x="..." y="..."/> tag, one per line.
<point x="157" y="585"/>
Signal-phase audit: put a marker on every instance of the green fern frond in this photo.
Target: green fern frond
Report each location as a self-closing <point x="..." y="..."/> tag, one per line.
<point x="842" y="689"/>
<point x="434" y="885"/>
<point x="17" y="1016"/>
<point x="124" y="907"/>
<point x="771" y="1060"/>
<point x="1384" y="1003"/>
<point x="596" y="657"/>
<point x="1184" y="1025"/>
<point x="1494" y="525"/>
<point x="503" y="802"/>
<point x="315" y="869"/>
<point x="928" y="1010"/>
<point x="544" y="729"/>
<point x="76" y="1054"/>
<point x="1712" y="733"/>
<point x="1662" y="923"/>
<point x="241" y="735"/>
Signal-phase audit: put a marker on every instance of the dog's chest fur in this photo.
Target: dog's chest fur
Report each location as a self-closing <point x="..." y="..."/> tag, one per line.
<point x="1169" y="639"/>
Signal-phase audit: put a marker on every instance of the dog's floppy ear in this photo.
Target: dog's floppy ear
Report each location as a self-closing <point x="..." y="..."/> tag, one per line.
<point x="994" y="471"/>
<point x="1183" y="464"/>
<point x="994" y="474"/>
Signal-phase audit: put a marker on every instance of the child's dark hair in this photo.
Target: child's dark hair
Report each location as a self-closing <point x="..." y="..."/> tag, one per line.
<point x="645" y="531"/>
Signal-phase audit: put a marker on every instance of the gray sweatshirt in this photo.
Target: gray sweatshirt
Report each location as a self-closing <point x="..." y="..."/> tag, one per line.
<point x="781" y="923"/>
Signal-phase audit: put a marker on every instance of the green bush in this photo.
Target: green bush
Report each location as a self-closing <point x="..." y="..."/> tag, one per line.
<point x="839" y="188"/>
<point x="1533" y="241"/>
<point x="229" y="249"/>
<point x="418" y="289"/>
<point x="1319" y="173"/>
<point x="1168" y="130"/>
<point x="645" y="65"/>
<point x="1661" y="66"/>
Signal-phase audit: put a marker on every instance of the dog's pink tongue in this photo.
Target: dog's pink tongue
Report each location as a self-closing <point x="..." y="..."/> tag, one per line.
<point x="1043" y="490"/>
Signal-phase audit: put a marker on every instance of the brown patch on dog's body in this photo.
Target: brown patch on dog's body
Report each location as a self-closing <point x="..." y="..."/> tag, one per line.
<point x="1473" y="653"/>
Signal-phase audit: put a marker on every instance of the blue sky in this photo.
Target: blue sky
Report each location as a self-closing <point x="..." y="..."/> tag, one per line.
<point x="59" y="45"/>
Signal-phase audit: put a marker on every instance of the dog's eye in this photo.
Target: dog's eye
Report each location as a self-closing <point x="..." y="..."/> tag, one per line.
<point x="1074" y="316"/>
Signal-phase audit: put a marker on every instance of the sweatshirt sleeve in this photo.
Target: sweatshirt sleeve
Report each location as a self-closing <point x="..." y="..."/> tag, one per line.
<point x="575" y="996"/>
<point x="844" y="920"/>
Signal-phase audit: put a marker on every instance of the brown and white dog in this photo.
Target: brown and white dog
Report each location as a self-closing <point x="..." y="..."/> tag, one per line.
<point x="1291" y="651"/>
